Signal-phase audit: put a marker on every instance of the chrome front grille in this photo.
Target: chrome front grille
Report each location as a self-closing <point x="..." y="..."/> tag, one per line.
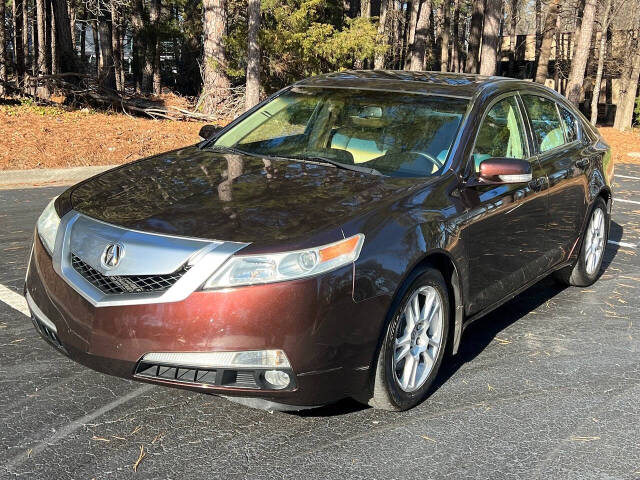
<point x="126" y="283"/>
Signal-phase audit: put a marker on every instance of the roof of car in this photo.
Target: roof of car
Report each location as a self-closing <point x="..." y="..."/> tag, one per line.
<point x="432" y="83"/>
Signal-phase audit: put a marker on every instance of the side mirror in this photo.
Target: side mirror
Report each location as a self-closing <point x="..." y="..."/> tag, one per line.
<point x="208" y="131"/>
<point x="504" y="170"/>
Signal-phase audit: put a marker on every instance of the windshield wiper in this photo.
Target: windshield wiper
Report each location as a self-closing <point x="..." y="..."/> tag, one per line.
<point x="329" y="161"/>
<point x="303" y="158"/>
<point x="235" y="150"/>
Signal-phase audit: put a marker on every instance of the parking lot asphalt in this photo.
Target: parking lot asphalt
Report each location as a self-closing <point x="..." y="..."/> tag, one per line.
<point x="547" y="386"/>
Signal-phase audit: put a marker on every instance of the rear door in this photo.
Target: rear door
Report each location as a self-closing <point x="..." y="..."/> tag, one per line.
<point x="563" y="159"/>
<point x="506" y="223"/>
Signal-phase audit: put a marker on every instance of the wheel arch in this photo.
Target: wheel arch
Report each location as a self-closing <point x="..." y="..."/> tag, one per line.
<point x="442" y="261"/>
<point x="607" y="195"/>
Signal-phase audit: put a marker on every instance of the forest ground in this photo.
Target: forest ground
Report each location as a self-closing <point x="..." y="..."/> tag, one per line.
<point x="32" y="136"/>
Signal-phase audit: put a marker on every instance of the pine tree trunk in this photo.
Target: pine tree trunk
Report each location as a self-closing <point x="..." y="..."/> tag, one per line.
<point x="455" y="51"/>
<point x="34" y="39"/>
<point x="47" y="35"/>
<point x="106" y="74"/>
<point x="445" y="35"/>
<point x="411" y="32"/>
<point x="490" y="37"/>
<point x="25" y="35"/>
<point x="538" y="7"/>
<point x="421" y="39"/>
<point x="365" y="12"/>
<point x="253" y="55"/>
<point x="513" y="38"/>
<point x="64" y="45"/>
<point x="138" y="53"/>
<point x="475" y="35"/>
<point x="215" y="80"/>
<point x="556" y="72"/>
<point x="628" y="90"/>
<point x="72" y="24"/>
<point x="53" y="38"/>
<point x="83" y="42"/>
<point x="151" y="39"/>
<point x="383" y="32"/>
<point x="581" y="55"/>
<point x="157" y="44"/>
<point x="96" y="45"/>
<point x="3" y="51"/>
<point x="191" y="77"/>
<point x="601" y="54"/>
<point x="365" y="8"/>
<point x="42" y="67"/>
<point x="116" y="45"/>
<point x="17" y="40"/>
<point x="549" y="31"/>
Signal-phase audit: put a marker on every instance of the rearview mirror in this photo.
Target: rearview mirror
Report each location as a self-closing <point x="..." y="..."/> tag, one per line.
<point x="208" y="131"/>
<point x="504" y="170"/>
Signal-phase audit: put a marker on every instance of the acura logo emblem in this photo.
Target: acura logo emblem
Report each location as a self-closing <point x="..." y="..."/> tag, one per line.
<point x="112" y="255"/>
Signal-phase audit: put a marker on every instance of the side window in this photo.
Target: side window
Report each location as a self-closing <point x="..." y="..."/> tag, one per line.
<point x="545" y="122"/>
<point x="570" y="124"/>
<point x="501" y="133"/>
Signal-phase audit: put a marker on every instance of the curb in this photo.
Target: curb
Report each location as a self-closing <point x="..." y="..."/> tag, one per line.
<point x="48" y="176"/>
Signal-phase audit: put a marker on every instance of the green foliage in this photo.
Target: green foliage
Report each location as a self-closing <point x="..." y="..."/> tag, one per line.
<point x="27" y="104"/>
<point x="637" y="110"/>
<point x="300" y="38"/>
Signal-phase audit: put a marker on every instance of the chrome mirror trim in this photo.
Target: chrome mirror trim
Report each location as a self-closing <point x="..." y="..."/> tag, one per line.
<point x="525" y="177"/>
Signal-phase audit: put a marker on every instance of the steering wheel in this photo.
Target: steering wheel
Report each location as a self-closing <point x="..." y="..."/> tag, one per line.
<point x="431" y="158"/>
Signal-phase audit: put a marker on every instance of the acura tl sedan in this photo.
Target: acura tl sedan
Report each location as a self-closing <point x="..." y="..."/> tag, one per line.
<point x="332" y="242"/>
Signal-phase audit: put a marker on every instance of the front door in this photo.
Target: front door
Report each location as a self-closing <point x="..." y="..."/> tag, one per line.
<point x="504" y="229"/>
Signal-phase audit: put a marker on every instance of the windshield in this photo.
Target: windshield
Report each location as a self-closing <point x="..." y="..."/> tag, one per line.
<point x="396" y="134"/>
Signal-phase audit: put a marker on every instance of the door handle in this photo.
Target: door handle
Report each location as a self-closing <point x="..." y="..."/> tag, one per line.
<point x="537" y="183"/>
<point x="582" y="163"/>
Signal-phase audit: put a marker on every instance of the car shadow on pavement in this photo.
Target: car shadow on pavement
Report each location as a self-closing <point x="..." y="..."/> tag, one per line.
<point x="479" y="335"/>
<point x="615" y="234"/>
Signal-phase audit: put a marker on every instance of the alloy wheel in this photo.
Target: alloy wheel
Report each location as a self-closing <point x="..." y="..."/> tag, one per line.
<point x="418" y="339"/>
<point x="594" y="242"/>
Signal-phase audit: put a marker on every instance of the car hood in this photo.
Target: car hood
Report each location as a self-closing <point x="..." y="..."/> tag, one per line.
<point x="205" y="194"/>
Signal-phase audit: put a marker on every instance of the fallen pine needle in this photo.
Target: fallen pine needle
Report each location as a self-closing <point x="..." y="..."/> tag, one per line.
<point x="502" y="341"/>
<point x="100" y="439"/>
<point x="140" y="457"/>
<point x="29" y="452"/>
<point x="428" y="438"/>
<point x="584" y="439"/>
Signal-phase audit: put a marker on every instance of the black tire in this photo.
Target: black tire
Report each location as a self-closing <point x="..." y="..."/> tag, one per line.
<point x="578" y="274"/>
<point x="387" y="393"/>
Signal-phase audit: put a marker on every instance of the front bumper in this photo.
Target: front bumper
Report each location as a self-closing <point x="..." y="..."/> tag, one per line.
<point x="329" y="340"/>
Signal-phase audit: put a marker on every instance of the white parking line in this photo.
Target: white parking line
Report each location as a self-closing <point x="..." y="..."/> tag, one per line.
<point x="626" y="201"/>
<point x="71" y="427"/>
<point x="627" y="176"/>
<point x="623" y="244"/>
<point x="14" y="300"/>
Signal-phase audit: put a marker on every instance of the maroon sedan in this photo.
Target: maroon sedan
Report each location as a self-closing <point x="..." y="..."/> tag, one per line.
<point x="332" y="242"/>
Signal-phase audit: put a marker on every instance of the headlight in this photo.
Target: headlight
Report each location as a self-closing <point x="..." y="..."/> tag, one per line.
<point x="48" y="226"/>
<point x="278" y="267"/>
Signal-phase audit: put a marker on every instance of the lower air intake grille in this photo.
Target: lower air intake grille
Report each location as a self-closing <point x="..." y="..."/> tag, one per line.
<point x="213" y="377"/>
<point x="47" y="333"/>
<point x="126" y="283"/>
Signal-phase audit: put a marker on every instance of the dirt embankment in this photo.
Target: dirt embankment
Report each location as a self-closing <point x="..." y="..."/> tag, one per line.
<point x="47" y="137"/>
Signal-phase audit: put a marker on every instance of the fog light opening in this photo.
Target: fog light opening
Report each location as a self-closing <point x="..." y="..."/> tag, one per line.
<point x="277" y="379"/>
